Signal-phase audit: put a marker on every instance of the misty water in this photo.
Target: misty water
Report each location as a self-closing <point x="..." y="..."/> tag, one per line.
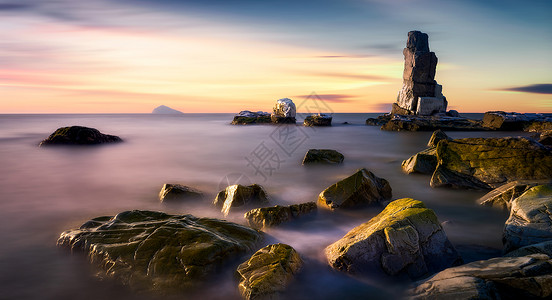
<point x="44" y="191"/>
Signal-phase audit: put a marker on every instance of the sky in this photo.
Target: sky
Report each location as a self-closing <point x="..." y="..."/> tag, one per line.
<point x="197" y="56"/>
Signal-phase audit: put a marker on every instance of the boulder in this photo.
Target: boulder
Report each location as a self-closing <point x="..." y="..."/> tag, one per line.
<point x="526" y="277"/>
<point x="379" y="121"/>
<point x="405" y="239"/>
<point x="431" y="123"/>
<point x="318" y="120"/>
<point x="502" y="196"/>
<point x="540" y="126"/>
<point x="361" y="188"/>
<point x="261" y="218"/>
<point x="237" y="195"/>
<point x="247" y="117"/>
<point x="176" y="192"/>
<point x="530" y="220"/>
<point x="158" y="251"/>
<point x="423" y="162"/>
<point x="165" y="110"/>
<point x="268" y="272"/>
<point x="485" y="163"/>
<point x="323" y="156"/>
<point x="284" y="111"/>
<point x="79" y="135"/>
<point x="512" y="121"/>
<point x="437" y="136"/>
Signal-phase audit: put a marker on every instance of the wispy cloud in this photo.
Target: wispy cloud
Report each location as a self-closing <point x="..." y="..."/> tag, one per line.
<point x="368" y="77"/>
<point x="544" y="88"/>
<point x="334" y="98"/>
<point x="344" y="56"/>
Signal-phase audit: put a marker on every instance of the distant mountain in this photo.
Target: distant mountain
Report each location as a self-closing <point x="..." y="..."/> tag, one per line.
<point x="166" y="110"/>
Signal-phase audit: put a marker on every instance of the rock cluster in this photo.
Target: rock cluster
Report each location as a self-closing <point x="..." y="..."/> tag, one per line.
<point x="318" y="120"/>
<point x="420" y="93"/>
<point x="323" y="156"/>
<point x="176" y="192"/>
<point x="237" y="195"/>
<point x="264" y="217"/>
<point x="79" y="135"/>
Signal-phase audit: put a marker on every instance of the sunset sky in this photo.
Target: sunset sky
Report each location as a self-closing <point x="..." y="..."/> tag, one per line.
<point x="129" y="56"/>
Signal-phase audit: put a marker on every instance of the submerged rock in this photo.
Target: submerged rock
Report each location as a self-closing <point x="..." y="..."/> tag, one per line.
<point x="268" y="272"/>
<point x="247" y="117"/>
<point x="526" y="277"/>
<point x="318" y="120"/>
<point x="405" y="239"/>
<point x="361" y="188"/>
<point x="502" y="196"/>
<point x="275" y="215"/>
<point x="423" y="162"/>
<point x="79" y="135"/>
<point x="437" y="136"/>
<point x="323" y="156"/>
<point x="238" y="195"/>
<point x="154" y="250"/>
<point x="530" y="220"/>
<point x="176" y="192"/>
<point x="284" y="111"/>
<point x="484" y="163"/>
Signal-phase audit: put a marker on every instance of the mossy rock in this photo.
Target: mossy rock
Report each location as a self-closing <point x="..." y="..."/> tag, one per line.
<point x="79" y="135"/>
<point x="323" y="156"/>
<point x="423" y="162"/>
<point x="361" y="188"/>
<point x="405" y="239"/>
<point x="318" y="120"/>
<point x="240" y="196"/>
<point x="502" y="196"/>
<point x="158" y="251"/>
<point x="268" y="272"/>
<point x="264" y="217"/>
<point x="437" y="136"/>
<point x="176" y="193"/>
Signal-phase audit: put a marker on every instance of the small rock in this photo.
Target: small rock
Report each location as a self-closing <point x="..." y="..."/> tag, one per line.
<point x="238" y="195"/>
<point x="79" y="135"/>
<point x="264" y="217"/>
<point x="176" y="192"/>
<point x="361" y="188"/>
<point x="423" y="162"/>
<point x="437" y="136"/>
<point x="247" y="117"/>
<point x="318" y="120"/>
<point x="268" y="272"/>
<point x="323" y="156"/>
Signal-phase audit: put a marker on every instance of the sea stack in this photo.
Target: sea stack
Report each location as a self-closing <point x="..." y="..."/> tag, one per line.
<point x="420" y="93"/>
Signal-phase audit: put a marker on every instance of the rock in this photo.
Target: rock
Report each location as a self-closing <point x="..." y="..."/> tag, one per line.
<point x="502" y="196"/>
<point x="431" y="123"/>
<point x="284" y="111"/>
<point x="437" y="136"/>
<point x="453" y="113"/>
<point x="154" y="250"/>
<point x="540" y="248"/>
<point x="361" y="188"/>
<point x="318" y="120"/>
<point x="485" y="163"/>
<point x="268" y="272"/>
<point x="264" y="217"/>
<point x="526" y="277"/>
<point x="540" y="126"/>
<point x="323" y="156"/>
<point x="176" y="192"/>
<point x="423" y="162"/>
<point x="238" y="195"/>
<point x="380" y="120"/>
<point x="165" y="110"/>
<point x="247" y="117"/>
<point x="428" y="106"/>
<point x="512" y="121"/>
<point x="78" y="135"/>
<point x="545" y="138"/>
<point x="530" y="220"/>
<point x="405" y="239"/>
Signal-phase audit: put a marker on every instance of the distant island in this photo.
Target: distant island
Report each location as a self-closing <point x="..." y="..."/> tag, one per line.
<point x="165" y="110"/>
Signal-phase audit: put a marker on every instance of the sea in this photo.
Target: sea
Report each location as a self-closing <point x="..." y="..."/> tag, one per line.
<point x="47" y="190"/>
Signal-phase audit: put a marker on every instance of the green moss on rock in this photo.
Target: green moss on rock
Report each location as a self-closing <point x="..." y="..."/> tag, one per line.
<point x="323" y="156"/>
<point x="275" y="215"/>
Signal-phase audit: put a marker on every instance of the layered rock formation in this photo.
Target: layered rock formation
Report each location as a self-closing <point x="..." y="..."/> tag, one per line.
<point x="264" y="217"/>
<point x="420" y="93"/>
<point x="79" y="135"/>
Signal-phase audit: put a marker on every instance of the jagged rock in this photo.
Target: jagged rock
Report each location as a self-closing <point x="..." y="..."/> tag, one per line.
<point x="323" y="156"/>
<point x="526" y="277"/>
<point x="284" y="111"/>
<point x="154" y="250"/>
<point x="511" y="121"/>
<point x="238" y="195"/>
<point x="176" y="192"/>
<point x="268" y="272"/>
<point x="165" y="110"/>
<point x="502" y="196"/>
<point x="437" y="136"/>
<point x="540" y="126"/>
<point x="318" y="120"/>
<point x="275" y="215"/>
<point x="431" y="123"/>
<point x="540" y="248"/>
<point x="361" y="188"/>
<point x="486" y="163"/>
<point x="530" y="220"/>
<point x="423" y="162"/>
<point x="78" y="135"/>
<point x="247" y="117"/>
<point x="405" y="239"/>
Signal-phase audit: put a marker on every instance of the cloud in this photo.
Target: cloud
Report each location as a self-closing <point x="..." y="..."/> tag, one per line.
<point x="6" y="7"/>
<point x="367" y="77"/>
<point x="333" y="98"/>
<point x="343" y="56"/>
<point x="545" y="88"/>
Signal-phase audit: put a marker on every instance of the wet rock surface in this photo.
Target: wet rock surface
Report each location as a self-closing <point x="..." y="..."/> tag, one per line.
<point x="265" y="217"/>
<point x="158" y="251"/>
<point x="79" y="135"/>
<point x="323" y="156"/>
<point x="240" y="196"/>
<point x="423" y="162"/>
<point x="247" y="117"/>
<point x="437" y="136"/>
<point x="361" y="188"/>
<point x="268" y="272"/>
<point x="512" y="121"/>
<point x="431" y="123"/>
<point x="318" y="120"/>
<point x="174" y="193"/>
<point x="405" y="240"/>
<point x="502" y="196"/>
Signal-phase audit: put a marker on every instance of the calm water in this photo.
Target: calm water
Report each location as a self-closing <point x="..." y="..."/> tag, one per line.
<point x="44" y="191"/>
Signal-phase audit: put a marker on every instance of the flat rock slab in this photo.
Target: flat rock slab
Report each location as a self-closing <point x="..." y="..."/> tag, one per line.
<point x="79" y="135"/>
<point x="157" y="251"/>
